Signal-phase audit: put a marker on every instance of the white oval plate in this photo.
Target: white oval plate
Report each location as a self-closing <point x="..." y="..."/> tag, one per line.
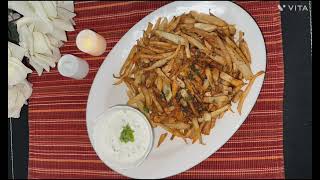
<point x="175" y="156"/>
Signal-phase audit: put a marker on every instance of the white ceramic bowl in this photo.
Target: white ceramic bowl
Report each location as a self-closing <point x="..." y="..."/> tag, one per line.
<point x="100" y="146"/>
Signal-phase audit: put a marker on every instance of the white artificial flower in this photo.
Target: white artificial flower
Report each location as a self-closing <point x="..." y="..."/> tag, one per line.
<point x="17" y="71"/>
<point x="17" y="96"/>
<point x="41" y="33"/>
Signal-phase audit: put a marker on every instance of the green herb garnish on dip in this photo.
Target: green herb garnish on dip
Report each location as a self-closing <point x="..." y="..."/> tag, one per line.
<point x="127" y="134"/>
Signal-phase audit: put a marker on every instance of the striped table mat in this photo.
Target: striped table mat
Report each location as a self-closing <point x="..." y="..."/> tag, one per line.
<point x="59" y="145"/>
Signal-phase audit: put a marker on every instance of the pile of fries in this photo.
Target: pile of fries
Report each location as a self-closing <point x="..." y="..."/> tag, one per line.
<point x="184" y="73"/>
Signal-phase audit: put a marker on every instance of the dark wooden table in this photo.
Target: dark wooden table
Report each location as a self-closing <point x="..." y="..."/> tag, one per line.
<point x="297" y="47"/>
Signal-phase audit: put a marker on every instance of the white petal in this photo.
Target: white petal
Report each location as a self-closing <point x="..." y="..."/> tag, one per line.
<point x="63" y="25"/>
<point x="46" y="59"/>
<point x="41" y="63"/>
<point x="43" y="26"/>
<point x="25" y="88"/>
<point x="26" y="38"/>
<point x="42" y="14"/>
<point x="48" y="42"/>
<point x="24" y="21"/>
<point x="68" y="5"/>
<point x="56" y="54"/>
<point x="17" y="71"/>
<point x="72" y="22"/>
<point x="31" y="27"/>
<point x="16" y="51"/>
<point x="59" y="34"/>
<point x="37" y="5"/>
<point x="49" y="9"/>
<point x="17" y="96"/>
<point x="14" y="102"/>
<point x="65" y="14"/>
<point x="21" y="7"/>
<point x="40" y="44"/>
<point x="54" y="3"/>
<point x="54" y="41"/>
<point x="36" y="66"/>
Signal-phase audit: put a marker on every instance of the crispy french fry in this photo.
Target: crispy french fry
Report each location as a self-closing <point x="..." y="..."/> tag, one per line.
<point x="163" y="45"/>
<point x="149" y="29"/>
<point x="206" y="128"/>
<point x="167" y="90"/>
<point x="237" y="96"/>
<point x="200" y="140"/>
<point x="154" y="99"/>
<point x="201" y="17"/>
<point x="162" y="75"/>
<point x="156" y="26"/>
<point x="174" y="24"/>
<point x="139" y="97"/>
<point x="247" y="90"/>
<point x="206" y="84"/>
<point x="225" y="52"/>
<point x="177" y="125"/>
<point x="209" y="77"/>
<point x="232" y="29"/>
<point x="171" y="37"/>
<point x="215" y="75"/>
<point x="187" y="49"/>
<point x="172" y="137"/>
<point x="218" y="59"/>
<point x="132" y="52"/>
<point x="156" y="50"/>
<point x="196" y="129"/>
<point x="147" y="97"/>
<point x="219" y="111"/>
<point x="196" y="43"/>
<point x="163" y="25"/>
<point x="213" y="122"/>
<point x="168" y="110"/>
<point x="180" y="83"/>
<point x="156" y="56"/>
<point x="187" y="20"/>
<point x="245" y="50"/>
<point x="230" y="79"/>
<point x="162" y="138"/>
<point x="205" y="27"/>
<point x="241" y="34"/>
<point x="216" y="100"/>
<point x="207" y="45"/>
<point x="162" y="62"/>
<point x="241" y="66"/>
<point x="176" y="133"/>
<point x="175" y="88"/>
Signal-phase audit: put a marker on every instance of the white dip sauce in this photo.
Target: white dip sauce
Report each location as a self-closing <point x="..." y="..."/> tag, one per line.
<point x="106" y="137"/>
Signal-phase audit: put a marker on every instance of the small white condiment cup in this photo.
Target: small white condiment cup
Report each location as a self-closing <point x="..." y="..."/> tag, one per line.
<point x="73" y="67"/>
<point x="111" y="163"/>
